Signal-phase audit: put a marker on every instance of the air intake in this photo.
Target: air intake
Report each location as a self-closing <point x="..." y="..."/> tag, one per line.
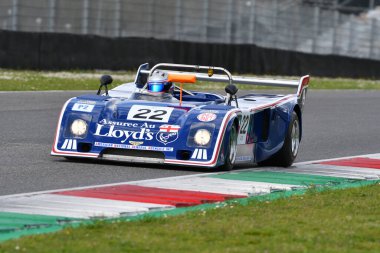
<point x="138" y="156"/>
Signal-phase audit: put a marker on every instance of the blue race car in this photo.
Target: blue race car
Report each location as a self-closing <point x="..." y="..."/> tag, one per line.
<point x="155" y="120"/>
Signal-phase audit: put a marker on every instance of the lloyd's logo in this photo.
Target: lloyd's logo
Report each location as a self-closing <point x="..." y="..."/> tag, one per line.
<point x="167" y="134"/>
<point x="69" y="144"/>
<point x="125" y="135"/>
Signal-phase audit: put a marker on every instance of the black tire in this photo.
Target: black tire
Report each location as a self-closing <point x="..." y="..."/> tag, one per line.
<point x="230" y="155"/>
<point x="288" y="153"/>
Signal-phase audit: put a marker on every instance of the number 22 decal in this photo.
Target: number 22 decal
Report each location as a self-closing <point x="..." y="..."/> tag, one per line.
<point x="244" y="124"/>
<point x="149" y="113"/>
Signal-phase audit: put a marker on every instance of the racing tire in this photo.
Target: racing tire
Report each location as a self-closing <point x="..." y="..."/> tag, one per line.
<point x="288" y="153"/>
<point x="230" y="155"/>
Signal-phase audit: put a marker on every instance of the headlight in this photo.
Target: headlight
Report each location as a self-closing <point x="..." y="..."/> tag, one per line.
<point x="78" y="127"/>
<point x="202" y="137"/>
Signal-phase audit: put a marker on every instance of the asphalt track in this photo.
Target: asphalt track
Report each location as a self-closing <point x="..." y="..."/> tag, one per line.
<point x="336" y="124"/>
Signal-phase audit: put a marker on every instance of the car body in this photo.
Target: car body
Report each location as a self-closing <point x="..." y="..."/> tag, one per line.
<point x="199" y="129"/>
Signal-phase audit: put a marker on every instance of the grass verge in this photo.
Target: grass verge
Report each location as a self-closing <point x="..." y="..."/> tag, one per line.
<point x="329" y="221"/>
<point x="18" y="80"/>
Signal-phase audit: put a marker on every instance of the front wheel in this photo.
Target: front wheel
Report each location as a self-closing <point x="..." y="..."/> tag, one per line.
<point x="230" y="156"/>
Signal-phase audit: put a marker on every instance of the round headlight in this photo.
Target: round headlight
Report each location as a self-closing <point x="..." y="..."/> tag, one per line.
<point x="202" y="137"/>
<point x="78" y="127"/>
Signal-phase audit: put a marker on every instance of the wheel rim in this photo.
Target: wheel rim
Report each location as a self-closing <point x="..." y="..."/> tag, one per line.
<point x="233" y="145"/>
<point x="295" y="137"/>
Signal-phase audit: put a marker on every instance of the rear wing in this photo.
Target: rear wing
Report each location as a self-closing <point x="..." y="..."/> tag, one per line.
<point x="225" y="77"/>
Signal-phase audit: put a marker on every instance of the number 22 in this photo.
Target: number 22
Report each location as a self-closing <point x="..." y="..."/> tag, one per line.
<point x="244" y="124"/>
<point x="150" y="114"/>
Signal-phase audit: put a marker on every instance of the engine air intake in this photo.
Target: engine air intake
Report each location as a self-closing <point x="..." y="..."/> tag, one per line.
<point x="128" y="155"/>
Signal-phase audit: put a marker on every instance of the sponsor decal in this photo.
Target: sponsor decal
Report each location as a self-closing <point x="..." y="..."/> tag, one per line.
<point x="125" y="135"/>
<point x="149" y="113"/>
<point x="206" y="117"/>
<point x="69" y="144"/>
<point x="126" y="124"/>
<point x="169" y="128"/>
<point x="82" y="107"/>
<point x="136" y="143"/>
<point x="199" y="154"/>
<point x="126" y="146"/>
<point x="89" y="102"/>
<point x="167" y="134"/>
<point x="243" y="158"/>
<point x="209" y="111"/>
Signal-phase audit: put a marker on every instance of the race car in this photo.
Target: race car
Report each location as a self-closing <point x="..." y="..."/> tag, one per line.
<point x="155" y="120"/>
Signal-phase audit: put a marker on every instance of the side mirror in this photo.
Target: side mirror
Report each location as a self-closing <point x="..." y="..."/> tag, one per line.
<point x="231" y="90"/>
<point x="104" y="81"/>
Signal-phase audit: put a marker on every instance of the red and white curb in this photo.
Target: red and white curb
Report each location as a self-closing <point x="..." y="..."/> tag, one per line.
<point x="133" y="198"/>
<point x="366" y="167"/>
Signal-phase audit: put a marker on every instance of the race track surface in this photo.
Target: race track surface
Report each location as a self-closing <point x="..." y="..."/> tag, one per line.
<point x="336" y="124"/>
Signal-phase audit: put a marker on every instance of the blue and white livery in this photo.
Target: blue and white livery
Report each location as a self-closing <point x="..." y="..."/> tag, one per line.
<point x="190" y="128"/>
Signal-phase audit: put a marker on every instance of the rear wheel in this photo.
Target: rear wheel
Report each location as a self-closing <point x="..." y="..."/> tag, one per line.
<point x="230" y="155"/>
<point x="288" y="153"/>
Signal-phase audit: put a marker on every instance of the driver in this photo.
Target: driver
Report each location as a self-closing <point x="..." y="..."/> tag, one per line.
<point x="157" y="89"/>
<point x="158" y="83"/>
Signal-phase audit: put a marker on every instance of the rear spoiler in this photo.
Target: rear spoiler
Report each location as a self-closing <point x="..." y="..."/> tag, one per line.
<point x="301" y="84"/>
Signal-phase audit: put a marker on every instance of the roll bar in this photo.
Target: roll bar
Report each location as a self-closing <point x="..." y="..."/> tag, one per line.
<point x="300" y="84"/>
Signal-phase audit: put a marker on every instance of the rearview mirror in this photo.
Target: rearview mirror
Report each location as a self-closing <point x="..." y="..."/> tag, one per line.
<point x="104" y="81"/>
<point x="231" y="90"/>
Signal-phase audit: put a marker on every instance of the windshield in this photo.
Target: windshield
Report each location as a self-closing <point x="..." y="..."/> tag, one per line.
<point x="157" y="97"/>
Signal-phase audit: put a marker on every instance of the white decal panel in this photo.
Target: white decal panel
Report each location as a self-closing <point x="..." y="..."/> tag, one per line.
<point x="80" y="107"/>
<point x="244" y="124"/>
<point x="150" y="113"/>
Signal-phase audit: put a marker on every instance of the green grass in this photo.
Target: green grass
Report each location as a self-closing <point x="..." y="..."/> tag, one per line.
<point x="34" y="80"/>
<point x="12" y="80"/>
<point x="329" y="221"/>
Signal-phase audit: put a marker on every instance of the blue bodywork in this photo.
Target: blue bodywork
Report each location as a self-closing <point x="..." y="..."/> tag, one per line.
<point x="130" y="128"/>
